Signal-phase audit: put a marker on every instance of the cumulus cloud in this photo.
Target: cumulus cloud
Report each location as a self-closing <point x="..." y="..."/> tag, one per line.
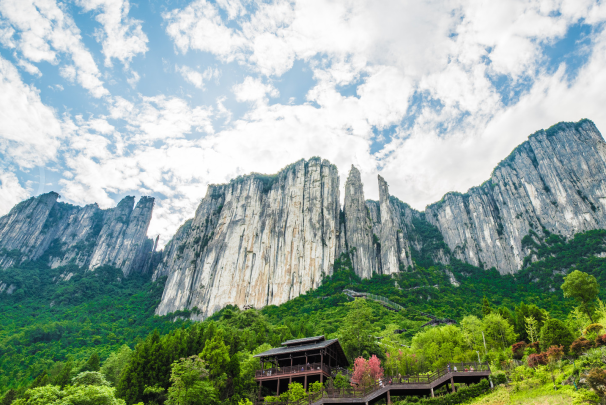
<point x="43" y="31"/>
<point x="30" y="132"/>
<point x="196" y="78"/>
<point x="252" y="89"/>
<point x="11" y="192"/>
<point x="122" y="37"/>
<point x="405" y="89"/>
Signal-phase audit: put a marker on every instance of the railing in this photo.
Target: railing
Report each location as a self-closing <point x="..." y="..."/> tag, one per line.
<point x="373" y="297"/>
<point x="361" y="392"/>
<point x="289" y="370"/>
<point x="384" y="300"/>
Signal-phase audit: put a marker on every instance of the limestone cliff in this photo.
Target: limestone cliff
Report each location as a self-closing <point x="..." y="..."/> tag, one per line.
<point x="59" y="233"/>
<point x="262" y="240"/>
<point x="555" y="181"/>
<point x="358" y="227"/>
<point x="258" y="240"/>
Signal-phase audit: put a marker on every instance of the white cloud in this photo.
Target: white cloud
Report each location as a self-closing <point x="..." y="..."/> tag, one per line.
<point x="199" y="26"/>
<point x="134" y="79"/>
<point x="44" y="30"/>
<point x="252" y="89"/>
<point x="11" y="192"/>
<point x="29" y="68"/>
<point x="196" y="78"/>
<point x="123" y="37"/>
<point x="30" y="132"/>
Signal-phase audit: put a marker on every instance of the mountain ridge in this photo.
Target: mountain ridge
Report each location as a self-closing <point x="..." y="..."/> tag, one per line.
<point x="264" y="239"/>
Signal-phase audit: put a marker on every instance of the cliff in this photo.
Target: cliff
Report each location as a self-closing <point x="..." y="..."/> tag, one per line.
<point x="59" y="233"/>
<point x="262" y="240"/>
<point x="258" y="240"/>
<point x="555" y="182"/>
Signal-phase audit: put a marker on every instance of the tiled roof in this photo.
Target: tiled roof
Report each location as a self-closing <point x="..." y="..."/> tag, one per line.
<point x="295" y="349"/>
<point x="303" y="340"/>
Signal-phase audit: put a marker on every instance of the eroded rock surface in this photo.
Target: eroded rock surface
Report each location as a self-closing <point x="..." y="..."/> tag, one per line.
<point x="555" y="181"/>
<point x="60" y="233"/>
<point x="258" y="240"/>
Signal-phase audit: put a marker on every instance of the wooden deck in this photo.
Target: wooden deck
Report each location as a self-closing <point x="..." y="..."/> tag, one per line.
<point x="414" y="385"/>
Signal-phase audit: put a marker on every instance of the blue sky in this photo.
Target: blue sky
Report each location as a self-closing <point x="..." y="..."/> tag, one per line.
<point x="105" y="98"/>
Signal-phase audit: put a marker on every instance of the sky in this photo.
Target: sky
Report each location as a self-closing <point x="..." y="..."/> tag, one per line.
<point x="100" y="99"/>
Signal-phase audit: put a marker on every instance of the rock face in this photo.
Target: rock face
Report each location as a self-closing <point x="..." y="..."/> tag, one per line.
<point x="258" y="240"/>
<point x="262" y="240"/>
<point x="555" y="181"/>
<point x="358" y="227"/>
<point x="88" y="236"/>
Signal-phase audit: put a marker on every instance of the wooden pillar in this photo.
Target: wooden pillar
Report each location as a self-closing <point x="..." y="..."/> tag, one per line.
<point x="433" y="396"/>
<point x="260" y="386"/>
<point x="305" y="383"/>
<point x="278" y="392"/>
<point x="452" y="384"/>
<point x="388" y="398"/>
<point x="306" y="361"/>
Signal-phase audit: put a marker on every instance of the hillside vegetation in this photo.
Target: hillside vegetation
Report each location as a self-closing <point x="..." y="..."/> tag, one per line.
<point x="60" y="323"/>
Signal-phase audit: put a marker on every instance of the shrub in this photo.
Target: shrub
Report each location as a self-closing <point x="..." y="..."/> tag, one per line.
<point x="555" y="333"/>
<point x="518" y="350"/>
<point x="581" y="345"/>
<point x="600" y="340"/>
<point x="463" y="395"/>
<point x="537" y="359"/>
<point x="597" y="381"/>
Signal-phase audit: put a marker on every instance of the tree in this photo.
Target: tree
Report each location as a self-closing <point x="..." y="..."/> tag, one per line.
<point x="582" y="287"/>
<point x="499" y="333"/>
<point x="532" y="328"/>
<point x="64" y="376"/>
<point x="93" y="363"/>
<point x="216" y="356"/>
<point x="116" y="362"/>
<point x="597" y="381"/>
<point x="524" y="311"/>
<point x="555" y="333"/>
<point x="366" y="372"/>
<point x="189" y="384"/>
<point x="486" y="309"/>
<point x="9" y="397"/>
<point x="296" y="392"/>
<point x="90" y="378"/>
<point x="374" y="366"/>
<point x="356" y="333"/>
<point x="49" y="394"/>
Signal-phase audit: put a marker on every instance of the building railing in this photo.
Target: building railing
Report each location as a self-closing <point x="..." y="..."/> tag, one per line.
<point x="292" y="370"/>
<point x="361" y="392"/>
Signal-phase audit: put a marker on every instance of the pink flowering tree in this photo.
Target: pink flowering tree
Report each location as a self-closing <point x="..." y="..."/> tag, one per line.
<point x="361" y="373"/>
<point x="375" y="369"/>
<point x="367" y="372"/>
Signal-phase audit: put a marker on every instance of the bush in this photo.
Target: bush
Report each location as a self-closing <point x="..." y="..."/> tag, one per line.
<point x="535" y="360"/>
<point x="581" y="345"/>
<point x="499" y="378"/>
<point x="463" y="395"/>
<point x="555" y="333"/>
<point x="518" y="350"/>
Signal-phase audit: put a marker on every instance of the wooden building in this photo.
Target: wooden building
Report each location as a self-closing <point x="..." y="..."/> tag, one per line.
<point x="301" y="360"/>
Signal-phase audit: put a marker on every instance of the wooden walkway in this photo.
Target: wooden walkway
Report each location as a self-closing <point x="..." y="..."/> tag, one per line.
<point x="413" y="385"/>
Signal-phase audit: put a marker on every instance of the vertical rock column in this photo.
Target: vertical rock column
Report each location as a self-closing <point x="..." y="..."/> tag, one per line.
<point x="358" y="227"/>
<point x="389" y="245"/>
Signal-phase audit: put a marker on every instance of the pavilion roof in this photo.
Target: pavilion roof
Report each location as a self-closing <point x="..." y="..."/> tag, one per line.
<point x="314" y="345"/>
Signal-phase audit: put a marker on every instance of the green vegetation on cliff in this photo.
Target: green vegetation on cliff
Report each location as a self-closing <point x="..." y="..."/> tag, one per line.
<point x="55" y="320"/>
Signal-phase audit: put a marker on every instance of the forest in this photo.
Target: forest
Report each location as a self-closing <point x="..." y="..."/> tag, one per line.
<point x="75" y="337"/>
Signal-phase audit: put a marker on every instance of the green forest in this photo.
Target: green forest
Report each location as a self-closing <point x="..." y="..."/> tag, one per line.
<point x="70" y="336"/>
